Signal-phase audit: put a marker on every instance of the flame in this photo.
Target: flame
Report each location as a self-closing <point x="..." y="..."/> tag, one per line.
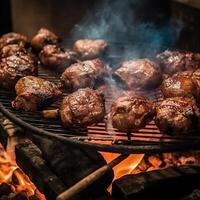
<point x="11" y="174"/>
<point x="126" y="166"/>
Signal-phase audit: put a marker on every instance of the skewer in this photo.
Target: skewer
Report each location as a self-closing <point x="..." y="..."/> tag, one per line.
<point x="50" y="114"/>
<point x="91" y="178"/>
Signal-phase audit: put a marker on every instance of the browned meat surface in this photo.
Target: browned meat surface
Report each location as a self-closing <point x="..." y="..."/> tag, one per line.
<point x="178" y="85"/>
<point x="196" y="81"/>
<point x="42" y="38"/>
<point x="14" y="67"/>
<point x="175" y="61"/>
<point x="53" y="56"/>
<point x="33" y="93"/>
<point x="84" y="74"/>
<point x="13" y="38"/>
<point x="177" y="115"/>
<point x="89" y="48"/>
<point x="131" y="112"/>
<point x="12" y="49"/>
<point x="138" y="74"/>
<point x="82" y="108"/>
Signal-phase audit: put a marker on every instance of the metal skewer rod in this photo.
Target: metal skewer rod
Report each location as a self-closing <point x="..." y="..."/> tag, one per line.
<point x="88" y="180"/>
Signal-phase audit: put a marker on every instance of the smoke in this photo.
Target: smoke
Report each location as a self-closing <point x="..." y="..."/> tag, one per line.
<point x="116" y="21"/>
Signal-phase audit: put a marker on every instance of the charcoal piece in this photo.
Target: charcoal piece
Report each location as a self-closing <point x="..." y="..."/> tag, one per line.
<point x="5" y="189"/>
<point x="169" y="183"/>
<point x="71" y="164"/>
<point x="18" y="196"/>
<point x="195" y="195"/>
<point x="14" y="196"/>
<point x="29" y="158"/>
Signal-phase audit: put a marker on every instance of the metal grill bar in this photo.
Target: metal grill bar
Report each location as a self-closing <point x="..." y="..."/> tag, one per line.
<point x="101" y="136"/>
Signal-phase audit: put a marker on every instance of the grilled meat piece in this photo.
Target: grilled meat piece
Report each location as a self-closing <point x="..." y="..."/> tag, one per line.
<point x="178" y="85"/>
<point x="42" y="38"/>
<point x="175" y="61"/>
<point x="131" y="112"/>
<point x="82" y="108"/>
<point x="53" y="56"/>
<point x="138" y="74"/>
<point x="12" y="49"/>
<point x="33" y="93"/>
<point x="13" y="38"/>
<point x="14" y="67"/>
<point x="196" y="81"/>
<point x="177" y="115"/>
<point x="88" y="48"/>
<point x="84" y="74"/>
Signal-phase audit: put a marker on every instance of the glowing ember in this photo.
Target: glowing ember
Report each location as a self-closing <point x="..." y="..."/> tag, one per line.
<point x="11" y="174"/>
<point x="126" y="166"/>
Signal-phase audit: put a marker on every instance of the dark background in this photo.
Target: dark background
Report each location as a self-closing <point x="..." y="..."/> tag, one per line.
<point x="60" y="16"/>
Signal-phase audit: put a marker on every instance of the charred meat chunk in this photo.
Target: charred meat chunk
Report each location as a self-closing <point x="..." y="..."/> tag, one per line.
<point x="176" y="61"/>
<point x="131" y="112"/>
<point x="42" y="38"/>
<point x="53" y="56"/>
<point x="13" y="38"/>
<point x="178" y="115"/>
<point x="82" y="108"/>
<point x="14" y="67"/>
<point x="33" y="93"/>
<point x="196" y="81"/>
<point x="12" y="49"/>
<point x="88" y="48"/>
<point x="178" y="85"/>
<point x="84" y="74"/>
<point x="138" y="74"/>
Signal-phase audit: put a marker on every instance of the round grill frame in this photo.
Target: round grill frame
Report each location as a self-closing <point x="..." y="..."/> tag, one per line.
<point x="126" y="146"/>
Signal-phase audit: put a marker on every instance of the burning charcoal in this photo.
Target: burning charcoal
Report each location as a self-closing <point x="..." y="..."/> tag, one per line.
<point x="151" y="169"/>
<point x="195" y="195"/>
<point x="72" y="164"/>
<point x="183" y="160"/>
<point x="5" y="189"/>
<point x="18" y="196"/>
<point x="29" y="158"/>
<point x="155" y="161"/>
<point x="168" y="158"/>
<point x="165" y="184"/>
<point x="143" y="166"/>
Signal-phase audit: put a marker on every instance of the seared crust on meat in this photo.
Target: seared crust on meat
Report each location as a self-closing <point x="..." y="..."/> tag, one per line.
<point x="88" y="48"/>
<point x="53" y="56"/>
<point x="12" y="49"/>
<point x="177" y="115"/>
<point x="13" y="38"/>
<point x="82" y="108"/>
<point x="131" y="112"/>
<point x="178" y="85"/>
<point x="84" y="74"/>
<point x="42" y="38"/>
<point x="138" y="74"/>
<point x="14" y="67"/>
<point x="33" y="93"/>
<point x="176" y="61"/>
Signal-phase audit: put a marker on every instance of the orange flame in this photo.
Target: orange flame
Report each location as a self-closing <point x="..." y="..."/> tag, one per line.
<point x="11" y="174"/>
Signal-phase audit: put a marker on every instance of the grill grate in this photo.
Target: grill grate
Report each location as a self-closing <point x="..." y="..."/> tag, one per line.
<point x="101" y="136"/>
